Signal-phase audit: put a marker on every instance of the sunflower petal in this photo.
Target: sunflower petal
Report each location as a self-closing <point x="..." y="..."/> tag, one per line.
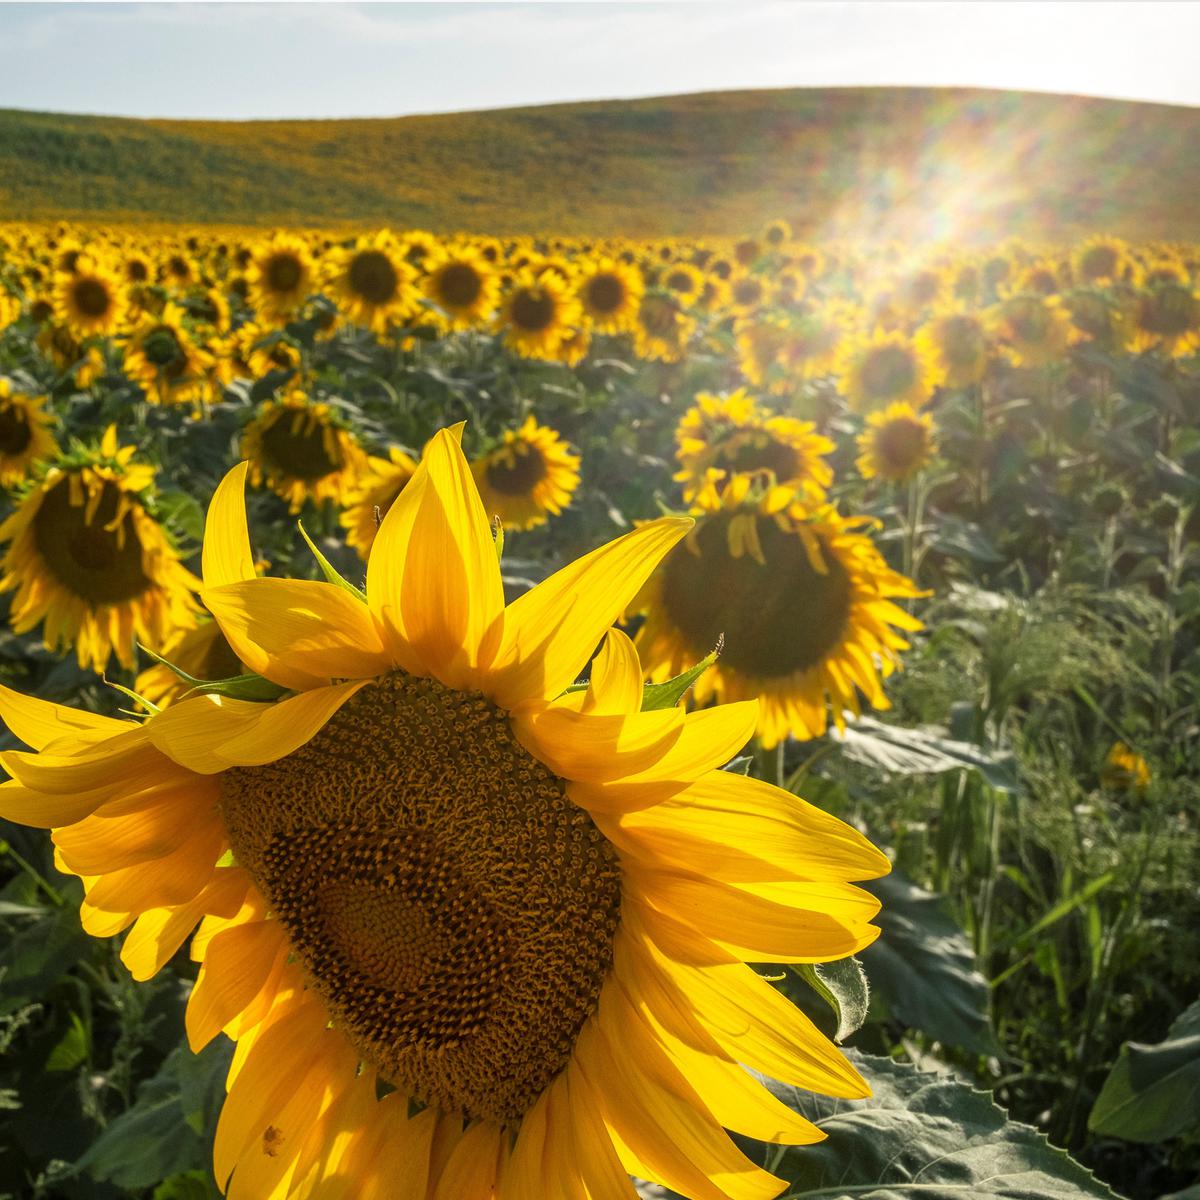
<point x="39" y="722"/>
<point x="226" y="557"/>
<point x="286" y="725"/>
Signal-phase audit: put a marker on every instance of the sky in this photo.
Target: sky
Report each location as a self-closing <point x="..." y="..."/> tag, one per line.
<point x="237" y="61"/>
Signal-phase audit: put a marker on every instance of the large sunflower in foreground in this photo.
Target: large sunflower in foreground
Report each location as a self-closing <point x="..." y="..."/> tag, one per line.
<point x="803" y="604"/>
<point x="301" y="450"/>
<point x="474" y="934"/>
<point x="529" y="477"/>
<point x="25" y="435"/>
<point x="86" y="557"/>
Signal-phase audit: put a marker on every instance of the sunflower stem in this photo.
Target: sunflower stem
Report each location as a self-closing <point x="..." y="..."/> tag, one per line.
<point x="769" y="763"/>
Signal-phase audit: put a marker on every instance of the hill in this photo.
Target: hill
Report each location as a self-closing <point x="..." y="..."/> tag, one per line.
<point x="877" y="162"/>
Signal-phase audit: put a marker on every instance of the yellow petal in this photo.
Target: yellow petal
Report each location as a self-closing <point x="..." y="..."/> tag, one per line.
<point x="286" y="725"/>
<point x="551" y="631"/>
<point x="189" y="731"/>
<point x="27" y="806"/>
<point x="400" y="1171"/>
<point x="309" y="628"/>
<point x="603" y="1175"/>
<point x="523" y="1177"/>
<point x="616" y="681"/>
<point x="471" y="1172"/>
<point x="39" y="722"/>
<point x="226" y="557"/>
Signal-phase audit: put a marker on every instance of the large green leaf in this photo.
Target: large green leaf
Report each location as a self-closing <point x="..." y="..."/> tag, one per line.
<point x="925" y="751"/>
<point x="1153" y="1092"/>
<point x="920" y="1136"/>
<point x="922" y="968"/>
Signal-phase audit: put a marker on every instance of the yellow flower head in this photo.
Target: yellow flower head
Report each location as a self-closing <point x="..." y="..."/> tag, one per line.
<point x="279" y="279"/>
<point x="538" y="314"/>
<point x="1101" y="260"/>
<point x="91" y="300"/>
<point x="162" y="356"/>
<point x="87" y="557"/>
<point x="955" y="341"/>
<point x="610" y="293"/>
<point x="1034" y="330"/>
<point x="897" y="443"/>
<point x="470" y="930"/>
<point x="25" y="433"/>
<point x="373" y="283"/>
<point x="462" y="285"/>
<point x="875" y="370"/>
<point x="1166" y="317"/>
<point x="1124" y="770"/>
<point x="529" y="477"/>
<point x="663" y="329"/>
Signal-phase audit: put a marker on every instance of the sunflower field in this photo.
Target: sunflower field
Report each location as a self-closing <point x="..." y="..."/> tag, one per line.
<point x="579" y="719"/>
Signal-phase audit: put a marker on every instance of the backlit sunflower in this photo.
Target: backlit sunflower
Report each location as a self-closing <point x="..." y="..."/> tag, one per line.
<point x="25" y="433"/>
<point x="373" y="283"/>
<point x="662" y="329"/>
<point x="733" y="435"/>
<point x="462" y="285"/>
<point x="610" y="293"/>
<point x="162" y="356"/>
<point x="530" y="476"/>
<point x="897" y="443"/>
<point x="804" y="604"/>
<point x="90" y="301"/>
<point x="1101" y="260"/>
<point x="538" y="314"/>
<point x="301" y="450"/>
<point x="1166" y="316"/>
<point x="875" y="370"/>
<point x="422" y="1009"/>
<point x="1034" y="330"/>
<point x="955" y="341"/>
<point x="373" y="495"/>
<point x="279" y="279"/>
<point x="203" y="653"/>
<point x="86" y="557"/>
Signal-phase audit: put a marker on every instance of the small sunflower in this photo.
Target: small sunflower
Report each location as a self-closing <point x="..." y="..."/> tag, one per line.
<point x="538" y="314"/>
<point x="469" y="929"/>
<point x="662" y="330"/>
<point x="1166" y="316"/>
<point x="10" y="309"/>
<point x="25" y="433"/>
<point x="875" y="370"/>
<point x="1124" y="770"/>
<point x="802" y="601"/>
<point x="777" y="233"/>
<point x="373" y="283"/>
<point x="1034" y="330"/>
<point x="1101" y="316"/>
<point x="684" y="280"/>
<point x="955" y="341"/>
<point x="897" y="443"/>
<point x="1101" y="260"/>
<point x="86" y="557"/>
<point x="279" y="279"/>
<point x="300" y="450"/>
<point x="530" y="476"/>
<point x="373" y="495"/>
<point x="261" y="350"/>
<point x="162" y="356"/>
<point x="610" y="293"/>
<point x="90" y="301"/>
<point x="462" y="285"/>
<point x="733" y="435"/>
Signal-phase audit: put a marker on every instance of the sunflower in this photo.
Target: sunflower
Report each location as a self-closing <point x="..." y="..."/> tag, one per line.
<point x="1034" y="330"/>
<point x="875" y="370"/>
<point x="686" y="281"/>
<point x="25" y="435"/>
<point x="1101" y="260"/>
<point x="470" y="931"/>
<point x="279" y="278"/>
<point x="1124" y="770"/>
<point x="802" y="602"/>
<point x="203" y="653"/>
<point x="162" y="356"/>
<point x="462" y="285"/>
<point x="530" y="476"/>
<point x="373" y="283"/>
<point x="539" y="314"/>
<point x="610" y="293"/>
<point x="1166" y="316"/>
<point x="86" y="556"/>
<point x="301" y="450"/>
<point x="373" y="496"/>
<point x="260" y="351"/>
<point x="777" y="233"/>
<point x="1099" y="315"/>
<point x="897" y="443"/>
<point x="955" y="341"/>
<point x="90" y="301"/>
<point x="733" y="435"/>
<point x="137" y="269"/>
<point x="10" y="309"/>
<point x="663" y="329"/>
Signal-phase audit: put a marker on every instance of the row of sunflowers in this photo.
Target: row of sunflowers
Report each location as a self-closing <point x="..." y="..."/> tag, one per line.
<point x="818" y="463"/>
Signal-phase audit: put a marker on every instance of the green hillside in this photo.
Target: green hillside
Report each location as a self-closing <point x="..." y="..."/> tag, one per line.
<point x="876" y="162"/>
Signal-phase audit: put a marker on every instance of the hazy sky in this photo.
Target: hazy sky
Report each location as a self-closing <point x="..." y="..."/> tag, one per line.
<point x="335" y="60"/>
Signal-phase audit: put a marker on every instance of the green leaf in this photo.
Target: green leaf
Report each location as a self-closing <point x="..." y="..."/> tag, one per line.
<point x="668" y="694"/>
<point x="1153" y="1092"/>
<point x="331" y="573"/>
<point x="191" y="1185"/>
<point x="922" y="968"/>
<point x="843" y="986"/>
<point x="1061" y="909"/>
<point x="72" y="1047"/>
<point x="181" y="513"/>
<point x="930" y="1137"/>
<point x="923" y="751"/>
<point x="236" y="687"/>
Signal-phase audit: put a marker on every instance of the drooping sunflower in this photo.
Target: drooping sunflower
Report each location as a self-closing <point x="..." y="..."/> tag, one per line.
<point x="91" y="300"/>
<point x="419" y="1009"/>
<point x="25" y="433"/>
<point x="802" y="600"/>
<point x="162" y="356"/>
<point x="610" y="293"/>
<point x="875" y="370"/>
<point x="1034" y="330"/>
<point x="87" y="557"/>
<point x="280" y="278"/>
<point x="463" y="286"/>
<point x="372" y="497"/>
<point x="301" y="450"/>
<point x="529" y="477"/>
<point x="734" y="435"/>
<point x="955" y="341"/>
<point x="538" y="314"/>
<point x="373" y="283"/>
<point x="897" y="443"/>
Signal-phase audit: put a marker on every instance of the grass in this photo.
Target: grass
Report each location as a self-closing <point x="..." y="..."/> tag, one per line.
<point x="837" y="162"/>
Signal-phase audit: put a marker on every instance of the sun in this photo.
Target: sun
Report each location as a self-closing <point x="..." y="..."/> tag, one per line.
<point x="419" y="1007"/>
